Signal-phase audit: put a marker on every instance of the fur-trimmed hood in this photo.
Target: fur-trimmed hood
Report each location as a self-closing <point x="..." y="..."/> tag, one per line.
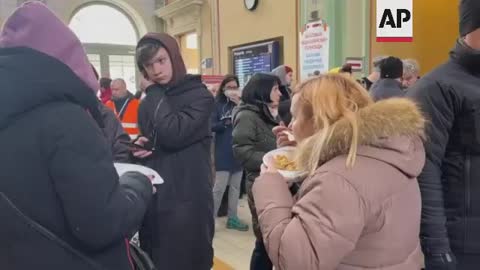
<point x="391" y="130"/>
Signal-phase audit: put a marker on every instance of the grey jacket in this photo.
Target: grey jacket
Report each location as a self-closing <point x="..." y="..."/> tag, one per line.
<point x="386" y="88"/>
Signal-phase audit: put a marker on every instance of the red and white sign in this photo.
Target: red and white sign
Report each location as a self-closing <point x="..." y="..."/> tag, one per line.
<point x="212" y="79"/>
<point x="356" y="63"/>
<point x="394" y="21"/>
<point x="212" y="82"/>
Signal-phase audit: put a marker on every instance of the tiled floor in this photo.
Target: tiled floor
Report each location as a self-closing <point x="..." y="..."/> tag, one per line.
<point x="234" y="248"/>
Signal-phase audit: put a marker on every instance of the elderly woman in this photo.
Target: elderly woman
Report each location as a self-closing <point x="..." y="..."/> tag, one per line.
<point x="411" y="72"/>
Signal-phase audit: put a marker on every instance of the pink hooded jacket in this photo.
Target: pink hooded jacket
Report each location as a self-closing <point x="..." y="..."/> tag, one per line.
<point x="366" y="217"/>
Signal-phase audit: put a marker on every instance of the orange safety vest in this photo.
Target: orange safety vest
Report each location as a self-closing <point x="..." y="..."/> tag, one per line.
<point x="130" y="115"/>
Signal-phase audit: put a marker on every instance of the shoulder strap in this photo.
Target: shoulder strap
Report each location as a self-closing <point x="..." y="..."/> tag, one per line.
<point x="48" y="234"/>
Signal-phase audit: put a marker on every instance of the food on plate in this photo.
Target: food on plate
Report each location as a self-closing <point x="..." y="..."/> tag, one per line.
<point x="282" y="162"/>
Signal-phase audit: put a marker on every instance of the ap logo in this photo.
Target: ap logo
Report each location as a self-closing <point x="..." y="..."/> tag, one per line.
<point x="394" y="21"/>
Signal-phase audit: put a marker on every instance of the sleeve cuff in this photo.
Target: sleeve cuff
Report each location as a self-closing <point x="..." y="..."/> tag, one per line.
<point x="272" y="188"/>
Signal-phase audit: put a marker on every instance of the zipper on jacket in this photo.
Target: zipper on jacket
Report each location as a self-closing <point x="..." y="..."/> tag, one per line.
<point x="467" y="190"/>
<point x="154" y="124"/>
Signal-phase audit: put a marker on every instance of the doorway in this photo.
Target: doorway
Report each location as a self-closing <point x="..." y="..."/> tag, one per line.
<point x="109" y="38"/>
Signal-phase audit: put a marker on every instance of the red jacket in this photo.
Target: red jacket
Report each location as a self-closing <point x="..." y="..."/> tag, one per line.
<point x="106" y="95"/>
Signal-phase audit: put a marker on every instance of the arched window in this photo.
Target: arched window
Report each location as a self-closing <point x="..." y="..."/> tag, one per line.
<point x="103" y="24"/>
<point x="109" y="38"/>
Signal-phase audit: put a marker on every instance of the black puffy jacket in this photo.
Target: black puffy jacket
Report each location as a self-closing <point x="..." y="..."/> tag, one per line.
<point x="178" y="229"/>
<point x="59" y="190"/>
<point x="450" y="182"/>
<point x="115" y="134"/>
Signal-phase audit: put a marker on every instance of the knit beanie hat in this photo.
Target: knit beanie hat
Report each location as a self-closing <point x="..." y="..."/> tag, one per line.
<point x="469" y="16"/>
<point x="391" y="68"/>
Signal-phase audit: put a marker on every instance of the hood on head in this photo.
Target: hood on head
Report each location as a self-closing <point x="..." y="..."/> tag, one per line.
<point x="281" y="73"/>
<point x="466" y="56"/>
<point x="171" y="45"/>
<point x="34" y="26"/>
<point x="469" y="19"/>
<point x="390" y="130"/>
<point x="42" y="62"/>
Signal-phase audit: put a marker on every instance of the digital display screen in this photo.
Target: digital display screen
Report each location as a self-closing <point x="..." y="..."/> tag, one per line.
<point x="255" y="58"/>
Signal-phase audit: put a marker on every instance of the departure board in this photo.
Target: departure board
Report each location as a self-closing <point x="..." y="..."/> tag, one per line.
<point x="248" y="60"/>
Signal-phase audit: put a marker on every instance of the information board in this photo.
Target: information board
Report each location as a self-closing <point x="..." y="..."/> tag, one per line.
<point x="248" y="60"/>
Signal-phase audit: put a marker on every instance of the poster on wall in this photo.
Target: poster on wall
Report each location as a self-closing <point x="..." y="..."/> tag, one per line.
<point x="314" y="49"/>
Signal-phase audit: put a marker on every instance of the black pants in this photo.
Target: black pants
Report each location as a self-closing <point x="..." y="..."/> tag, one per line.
<point x="223" y="211"/>
<point x="260" y="259"/>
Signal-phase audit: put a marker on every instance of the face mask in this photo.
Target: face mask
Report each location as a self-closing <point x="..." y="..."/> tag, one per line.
<point x="232" y="93"/>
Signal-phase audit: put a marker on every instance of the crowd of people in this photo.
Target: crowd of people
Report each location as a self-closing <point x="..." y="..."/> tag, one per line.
<point x="388" y="162"/>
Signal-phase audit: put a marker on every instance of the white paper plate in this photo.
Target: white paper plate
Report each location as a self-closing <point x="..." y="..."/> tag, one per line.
<point x="290" y="176"/>
<point x="126" y="167"/>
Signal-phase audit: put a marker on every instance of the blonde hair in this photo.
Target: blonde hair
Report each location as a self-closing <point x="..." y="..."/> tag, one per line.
<point x="324" y="100"/>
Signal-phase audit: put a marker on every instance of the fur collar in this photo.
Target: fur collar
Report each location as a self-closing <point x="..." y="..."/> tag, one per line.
<point x="394" y="117"/>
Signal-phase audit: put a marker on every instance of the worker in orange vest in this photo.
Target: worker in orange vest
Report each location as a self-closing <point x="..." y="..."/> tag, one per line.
<point x="125" y="106"/>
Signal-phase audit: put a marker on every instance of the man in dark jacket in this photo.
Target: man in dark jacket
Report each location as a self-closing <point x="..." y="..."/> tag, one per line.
<point x="450" y="182"/>
<point x="390" y="83"/>
<point x="62" y="204"/>
<point x="113" y="131"/>
<point x="174" y="119"/>
<point x="115" y="135"/>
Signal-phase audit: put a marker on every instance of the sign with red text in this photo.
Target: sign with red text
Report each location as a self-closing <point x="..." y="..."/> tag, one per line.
<point x="314" y="49"/>
<point x="394" y="21"/>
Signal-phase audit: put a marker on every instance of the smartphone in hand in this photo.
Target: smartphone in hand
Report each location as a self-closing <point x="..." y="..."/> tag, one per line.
<point x="135" y="146"/>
